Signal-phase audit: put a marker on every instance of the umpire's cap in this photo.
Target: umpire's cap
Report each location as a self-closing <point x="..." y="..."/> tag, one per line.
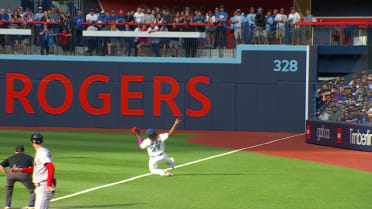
<point x="36" y="137"/>
<point x="20" y="148"/>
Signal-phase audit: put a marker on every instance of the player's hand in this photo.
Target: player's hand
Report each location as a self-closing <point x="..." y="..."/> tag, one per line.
<point x="177" y="121"/>
<point x="52" y="190"/>
<point x="15" y="170"/>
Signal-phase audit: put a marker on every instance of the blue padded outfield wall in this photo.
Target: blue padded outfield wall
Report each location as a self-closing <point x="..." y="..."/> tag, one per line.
<point x="262" y="89"/>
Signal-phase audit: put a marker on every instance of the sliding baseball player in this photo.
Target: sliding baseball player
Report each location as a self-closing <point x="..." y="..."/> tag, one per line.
<point x="156" y="149"/>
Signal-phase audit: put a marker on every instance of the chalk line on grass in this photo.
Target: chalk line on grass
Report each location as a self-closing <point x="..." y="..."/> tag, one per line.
<point x="178" y="166"/>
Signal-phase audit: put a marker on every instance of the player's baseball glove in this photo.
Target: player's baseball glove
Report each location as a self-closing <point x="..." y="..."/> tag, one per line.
<point x="135" y="131"/>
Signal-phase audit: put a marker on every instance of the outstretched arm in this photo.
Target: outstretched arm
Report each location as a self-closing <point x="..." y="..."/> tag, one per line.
<point x="171" y="131"/>
<point x="2" y="170"/>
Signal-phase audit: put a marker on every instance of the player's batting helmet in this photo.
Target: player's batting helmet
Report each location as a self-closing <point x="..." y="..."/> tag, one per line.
<point x="36" y="137"/>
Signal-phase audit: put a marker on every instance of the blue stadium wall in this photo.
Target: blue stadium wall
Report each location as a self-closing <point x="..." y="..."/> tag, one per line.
<point x="265" y="88"/>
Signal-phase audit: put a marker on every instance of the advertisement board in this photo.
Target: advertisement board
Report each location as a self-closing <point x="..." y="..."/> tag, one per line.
<point x="254" y="91"/>
<point x="339" y="134"/>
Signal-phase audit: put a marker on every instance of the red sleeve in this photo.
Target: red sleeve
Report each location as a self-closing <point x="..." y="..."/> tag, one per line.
<point x="50" y="168"/>
<point x="28" y="170"/>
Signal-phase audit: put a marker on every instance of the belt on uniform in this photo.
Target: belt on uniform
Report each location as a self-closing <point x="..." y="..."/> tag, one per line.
<point x="158" y="155"/>
<point x="38" y="184"/>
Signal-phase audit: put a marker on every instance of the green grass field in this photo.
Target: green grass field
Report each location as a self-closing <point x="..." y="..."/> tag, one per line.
<point x="241" y="180"/>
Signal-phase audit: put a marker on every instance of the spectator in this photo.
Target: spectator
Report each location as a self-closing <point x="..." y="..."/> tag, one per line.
<point x="260" y="35"/>
<point x="128" y="42"/>
<point x="174" y="42"/>
<point x="149" y="17"/>
<point x="270" y="27"/>
<point x="44" y="49"/>
<point x="157" y="12"/>
<point x="334" y="114"/>
<point x="121" y="19"/>
<point x="51" y="40"/>
<point x="9" y="12"/>
<point x="154" y="42"/>
<point x="91" y="16"/>
<point x="158" y="19"/>
<point x="181" y="19"/>
<point x="177" y="17"/>
<point x="24" y="40"/>
<point x="45" y="17"/>
<point x="38" y="16"/>
<point x="115" y="42"/>
<point x="113" y="17"/>
<point x="211" y="30"/>
<point x="187" y="17"/>
<point x="3" y="15"/>
<point x="141" y="42"/>
<point x="293" y="18"/>
<point x="13" y="39"/>
<point x="78" y="29"/>
<point x="167" y="16"/>
<point x="307" y="28"/>
<point x="199" y="18"/>
<point x="236" y="22"/>
<point x="139" y="16"/>
<point x="54" y="17"/>
<point x="221" y="19"/>
<point x="28" y="16"/>
<point x="64" y="40"/>
<point x="92" y="42"/>
<point x="280" y="20"/>
<point x="2" y="37"/>
<point x="130" y="17"/>
<point x="102" y="17"/>
<point x="164" y="42"/>
<point x="250" y="26"/>
<point x="190" y="44"/>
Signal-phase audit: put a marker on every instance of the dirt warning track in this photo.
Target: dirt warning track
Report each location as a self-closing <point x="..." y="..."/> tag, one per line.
<point x="294" y="147"/>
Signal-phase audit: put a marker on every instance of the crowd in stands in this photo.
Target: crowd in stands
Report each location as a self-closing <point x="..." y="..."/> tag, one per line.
<point x="254" y="27"/>
<point x="349" y="101"/>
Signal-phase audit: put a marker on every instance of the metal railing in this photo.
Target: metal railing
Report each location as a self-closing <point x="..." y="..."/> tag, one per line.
<point x="204" y="40"/>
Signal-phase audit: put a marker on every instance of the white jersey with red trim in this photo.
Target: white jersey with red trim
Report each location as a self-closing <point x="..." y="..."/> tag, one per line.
<point x="155" y="148"/>
<point x="42" y="157"/>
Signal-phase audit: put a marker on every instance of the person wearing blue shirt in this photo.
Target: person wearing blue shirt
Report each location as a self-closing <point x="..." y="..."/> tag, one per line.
<point x="221" y="18"/>
<point x="250" y="26"/>
<point x="236" y="25"/>
<point x="121" y="19"/>
<point x="4" y="15"/>
<point x="102" y="17"/>
<point x="77" y="32"/>
<point x="270" y="26"/>
<point x="113" y="17"/>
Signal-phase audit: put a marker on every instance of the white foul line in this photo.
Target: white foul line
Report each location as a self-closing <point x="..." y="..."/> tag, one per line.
<point x="178" y="166"/>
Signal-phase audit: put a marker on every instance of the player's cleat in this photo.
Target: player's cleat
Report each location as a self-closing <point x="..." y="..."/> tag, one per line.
<point x="172" y="166"/>
<point x="31" y="207"/>
<point x="7" y="207"/>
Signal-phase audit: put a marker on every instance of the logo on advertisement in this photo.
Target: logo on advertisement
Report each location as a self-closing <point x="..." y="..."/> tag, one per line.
<point x="339" y="135"/>
<point x="360" y="138"/>
<point x="322" y="133"/>
<point x="308" y="128"/>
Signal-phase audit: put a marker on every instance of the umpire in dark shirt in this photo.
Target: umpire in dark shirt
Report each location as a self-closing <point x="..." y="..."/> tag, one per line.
<point x="19" y="160"/>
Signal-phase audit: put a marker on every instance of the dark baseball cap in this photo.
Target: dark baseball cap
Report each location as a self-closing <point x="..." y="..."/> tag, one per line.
<point x="151" y="132"/>
<point x="20" y="148"/>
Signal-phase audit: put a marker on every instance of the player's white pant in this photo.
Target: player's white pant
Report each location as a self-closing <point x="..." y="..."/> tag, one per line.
<point x="154" y="162"/>
<point x="43" y="196"/>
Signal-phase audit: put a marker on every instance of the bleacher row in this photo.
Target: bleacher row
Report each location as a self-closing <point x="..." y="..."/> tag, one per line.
<point x="57" y="32"/>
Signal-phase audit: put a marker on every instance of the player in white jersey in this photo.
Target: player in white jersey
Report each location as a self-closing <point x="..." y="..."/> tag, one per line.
<point x="156" y="149"/>
<point x="42" y="172"/>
